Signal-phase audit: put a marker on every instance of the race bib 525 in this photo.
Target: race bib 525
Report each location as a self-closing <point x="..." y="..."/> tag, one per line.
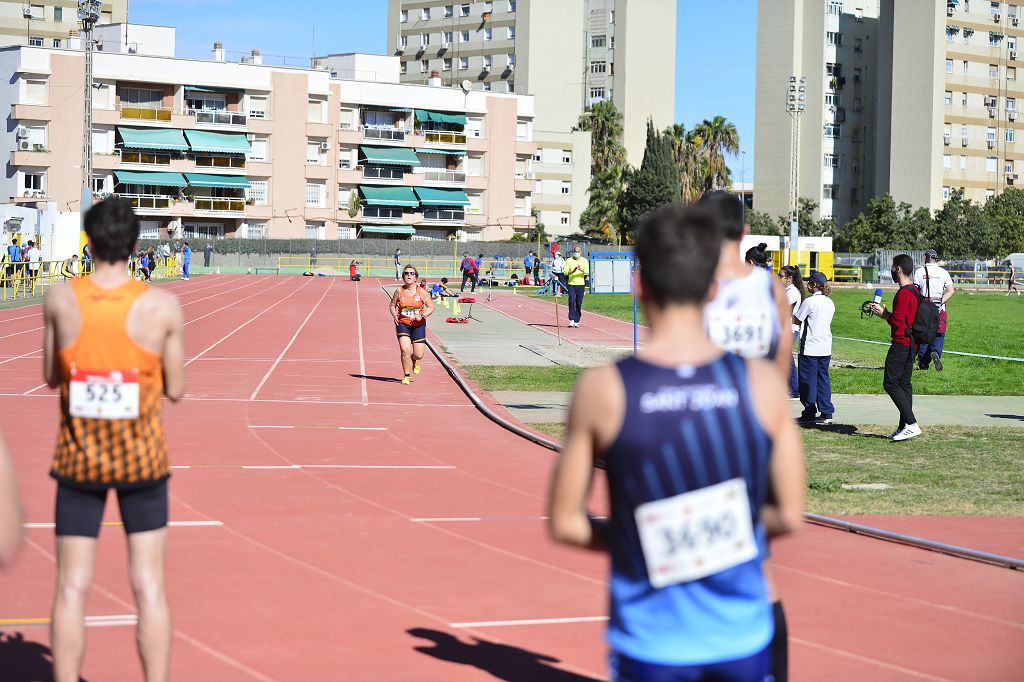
<point x="696" y="534"/>
<point x="104" y="395"/>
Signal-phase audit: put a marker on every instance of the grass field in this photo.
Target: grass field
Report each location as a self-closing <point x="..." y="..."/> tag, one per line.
<point x="955" y="471"/>
<point x="986" y="323"/>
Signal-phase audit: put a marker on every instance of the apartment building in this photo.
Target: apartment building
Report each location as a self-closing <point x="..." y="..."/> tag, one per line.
<point x="210" y="148"/>
<point x="568" y="54"/>
<point x="50" y="23"/>
<point x="914" y="98"/>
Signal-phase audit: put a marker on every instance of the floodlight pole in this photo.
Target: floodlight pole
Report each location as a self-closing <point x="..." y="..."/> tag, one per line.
<point x="796" y="104"/>
<point x="88" y="14"/>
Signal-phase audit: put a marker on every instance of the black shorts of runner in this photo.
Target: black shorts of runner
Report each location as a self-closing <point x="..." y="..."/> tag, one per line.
<point x="417" y="333"/>
<point x="80" y="510"/>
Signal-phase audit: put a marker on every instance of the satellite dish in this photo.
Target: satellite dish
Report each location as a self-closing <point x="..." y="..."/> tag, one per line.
<point x="467" y="85"/>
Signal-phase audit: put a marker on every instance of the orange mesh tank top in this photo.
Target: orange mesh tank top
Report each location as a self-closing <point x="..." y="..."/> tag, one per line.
<point x="111" y="429"/>
<point x="412" y="304"/>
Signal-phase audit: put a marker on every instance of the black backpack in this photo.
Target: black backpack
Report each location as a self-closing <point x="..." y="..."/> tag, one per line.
<point x="926" y="322"/>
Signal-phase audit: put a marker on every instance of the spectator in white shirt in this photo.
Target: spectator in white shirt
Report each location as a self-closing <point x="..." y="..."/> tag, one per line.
<point x="816" y="314"/>
<point x="558" y="272"/>
<point x="937" y="286"/>
<point x="35" y="260"/>
<point x="795" y="294"/>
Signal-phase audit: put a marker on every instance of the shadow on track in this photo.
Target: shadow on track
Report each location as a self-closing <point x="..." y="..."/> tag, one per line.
<point x="844" y="429"/>
<point x="504" y="662"/>
<point x="23" y="660"/>
<point x="1014" y="417"/>
<point x="390" y="380"/>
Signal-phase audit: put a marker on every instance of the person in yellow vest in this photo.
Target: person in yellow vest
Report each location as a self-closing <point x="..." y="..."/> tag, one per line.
<point x="577" y="269"/>
<point x="113" y="345"/>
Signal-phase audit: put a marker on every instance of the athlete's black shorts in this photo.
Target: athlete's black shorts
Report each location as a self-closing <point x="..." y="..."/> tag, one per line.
<point x="417" y="333"/>
<point x="80" y="510"/>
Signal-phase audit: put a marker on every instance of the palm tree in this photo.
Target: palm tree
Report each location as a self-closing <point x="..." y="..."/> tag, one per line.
<point x="601" y="217"/>
<point x="687" y="155"/>
<point x="717" y="138"/>
<point x="604" y="122"/>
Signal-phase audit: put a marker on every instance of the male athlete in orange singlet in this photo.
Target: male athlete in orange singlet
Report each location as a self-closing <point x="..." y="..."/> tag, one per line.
<point x="114" y="347"/>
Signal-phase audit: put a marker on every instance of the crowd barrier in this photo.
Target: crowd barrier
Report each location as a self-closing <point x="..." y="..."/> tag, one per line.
<point x="429" y="267"/>
<point x="985" y="279"/>
<point x="19" y="280"/>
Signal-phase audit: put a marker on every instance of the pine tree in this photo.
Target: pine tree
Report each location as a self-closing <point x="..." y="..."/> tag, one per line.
<point x="655" y="184"/>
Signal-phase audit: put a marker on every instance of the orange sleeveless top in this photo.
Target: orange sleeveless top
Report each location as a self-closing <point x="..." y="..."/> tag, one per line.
<point x="106" y="380"/>
<point x="412" y="304"/>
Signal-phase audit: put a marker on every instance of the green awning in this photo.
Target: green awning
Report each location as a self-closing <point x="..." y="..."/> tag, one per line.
<point x="198" y="88"/>
<point x="438" y="117"/>
<point x="430" y="196"/>
<point x="440" y="151"/>
<point x="228" y="143"/>
<point x="390" y="229"/>
<point x="389" y="196"/>
<point x="390" y="156"/>
<point x="161" y="179"/>
<point x="152" y="138"/>
<point x="210" y="180"/>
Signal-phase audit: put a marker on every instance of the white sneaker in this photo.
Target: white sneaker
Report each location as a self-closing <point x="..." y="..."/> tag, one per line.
<point x="897" y="431"/>
<point x="911" y="431"/>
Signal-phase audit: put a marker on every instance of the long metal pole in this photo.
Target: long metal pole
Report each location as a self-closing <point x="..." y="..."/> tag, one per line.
<point x="88" y="13"/>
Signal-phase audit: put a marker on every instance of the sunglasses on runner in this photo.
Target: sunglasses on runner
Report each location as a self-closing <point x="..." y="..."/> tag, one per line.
<point x="408" y="274"/>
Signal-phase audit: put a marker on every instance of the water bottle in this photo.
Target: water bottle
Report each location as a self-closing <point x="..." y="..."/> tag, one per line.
<point x="878" y="295"/>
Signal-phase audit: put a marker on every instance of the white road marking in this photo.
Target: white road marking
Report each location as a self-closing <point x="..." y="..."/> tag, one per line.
<point x="309" y="466"/>
<point x="174" y="524"/>
<point x="338" y="428"/>
<point x="533" y="621"/>
<point x="362" y="359"/>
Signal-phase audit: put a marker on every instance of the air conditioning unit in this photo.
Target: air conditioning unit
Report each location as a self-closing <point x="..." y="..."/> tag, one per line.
<point x="997" y="17"/>
<point x="991" y="144"/>
<point x="251" y="137"/>
<point x="511" y="68"/>
<point x="991" y="112"/>
<point x="325" y="146"/>
<point x="1013" y="54"/>
<point x="1014" y="20"/>
<point x="24" y="145"/>
<point x="487" y="67"/>
<point x="963" y="142"/>
<point x="949" y="11"/>
<point x="945" y="140"/>
<point x="1012" y="114"/>
<point x="21" y="132"/>
<point x="26" y="12"/>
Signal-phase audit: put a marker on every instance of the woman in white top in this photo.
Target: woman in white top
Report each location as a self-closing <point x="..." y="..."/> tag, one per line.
<point x="790" y="276"/>
<point x="816" y="314"/>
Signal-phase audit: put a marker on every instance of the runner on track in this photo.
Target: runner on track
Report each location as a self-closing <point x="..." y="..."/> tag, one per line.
<point x="691" y="437"/>
<point x="747" y="316"/>
<point x="410" y="307"/>
<point x="113" y="345"/>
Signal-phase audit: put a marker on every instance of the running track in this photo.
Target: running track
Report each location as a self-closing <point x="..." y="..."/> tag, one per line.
<point x="433" y="564"/>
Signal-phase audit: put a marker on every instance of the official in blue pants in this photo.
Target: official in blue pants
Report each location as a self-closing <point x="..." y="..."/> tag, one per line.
<point x="816" y="313"/>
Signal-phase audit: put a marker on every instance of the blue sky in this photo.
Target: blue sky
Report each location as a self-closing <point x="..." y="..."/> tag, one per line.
<point x="715" y="44"/>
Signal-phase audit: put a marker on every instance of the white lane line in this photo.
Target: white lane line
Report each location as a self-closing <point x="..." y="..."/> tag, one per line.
<point x="236" y="301"/>
<point x="291" y="342"/>
<point x="312" y="466"/>
<point x="362" y="358"/>
<point x="456" y="519"/>
<point x="18" y="357"/>
<point x="532" y="621"/>
<point x="90" y="621"/>
<point x="33" y="390"/>
<point x="329" y="428"/>
<point x="192" y="398"/>
<point x="239" y="327"/>
<point x="174" y="524"/>
<point x="27" y="331"/>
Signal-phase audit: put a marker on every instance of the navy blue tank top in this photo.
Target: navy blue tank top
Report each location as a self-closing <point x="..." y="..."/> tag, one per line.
<point x="685" y="429"/>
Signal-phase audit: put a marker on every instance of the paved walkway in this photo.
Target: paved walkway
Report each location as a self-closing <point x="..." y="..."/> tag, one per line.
<point x="550" y="406"/>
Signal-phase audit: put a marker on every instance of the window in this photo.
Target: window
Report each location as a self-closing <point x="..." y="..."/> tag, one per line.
<point x="832" y="99"/>
<point x="945" y="193"/>
<point x="537" y="155"/>
<point x="449" y="11"/>
<point x="993" y="71"/>
<point x="834" y="38"/>
<point x="488" y="34"/>
<point x="510" y="59"/>
<point x="511" y="5"/>
<point x="947" y="98"/>
<point x="1011" y="103"/>
<point x="315" y="194"/>
<point x="967" y="35"/>
<point x="315" y="109"/>
<point x="403" y="16"/>
<point x="464" y="9"/>
<point x="598" y="41"/>
<point x="425" y="14"/>
<point x="596" y="93"/>
<point x="258" y="149"/>
<point x="991" y="164"/>
<point x="424" y="65"/>
<point x="1011" y="43"/>
<point x="35" y="41"/>
<point x="994" y="39"/>
<point x="403" y="68"/>
<point x="257" y="192"/>
<point x="1011" y="73"/>
<point x="831" y="161"/>
<point x="950" y="32"/>
<point x="990" y="101"/>
<point x="947" y="161"/>
<point x="832" y="130"/>
<point x="830" y="192"/>
<point x="511" y="32"/>
<point x="488" y="60"/>
<point x="963" y="162"/>
<point x="404" y="41"/>
<point x="963" y="100"/>
<point x="598" y="67"/>
<point x="993" y="8"/>
<point x="611" y="16"/>
<point x="949" y="66"/>
<point x="35" y="92"/>
<point x="463" y="62"/>
<point x="312" y="153"/>
<point x="464" y="36"/>
<point x="1008" y="166"/>
<point x="566" y="187"/>
<point x="965" y="67"/>
<point x="315" y="231"/>
<point x="446" y="38"/>
<point x="963" y="131"/>
<point x="256" y="230"/>
<point x="566" y="156"/>
<point x="833" y="70"/>
<point x="835" y="7"/>
<point x="1010" y="135"/>
<point x="563" y="218"/>
<point x="446" y="65"/>
<point x="990" y="134"/>
<point x="424" y="39"/>
<point x="58" y="16"/>
<point x="34" y="182"/>
<point x="487" y="86"/>
<point x="989" y="193"/>
<point x="36" y="11"/>
<point x="511" y="86"/>
<point x="99" y="184"/>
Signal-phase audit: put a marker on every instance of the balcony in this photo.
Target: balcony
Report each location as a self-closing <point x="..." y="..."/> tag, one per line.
<point x="149" y="202"/>
<point x="30" y="158"/>
<point x="444" y="176"/>
<point x="32" y="111"/>
<point x="143" y="158"/>
<point x="385" y="134"/>
<point x="151" y="115"/>
<point x="220" y="204"/>
<point x="218" y="117"/>
<point x="383" y="214"/>
<point x="444" y="137"/>
<point x="383" y="173"/>
<point x="221" y="162"/>
<point x="444" y="215"/>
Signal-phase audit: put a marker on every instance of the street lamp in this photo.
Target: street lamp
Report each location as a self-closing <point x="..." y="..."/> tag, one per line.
<point x="88" y="15"/>
<point x="796" y="104"/>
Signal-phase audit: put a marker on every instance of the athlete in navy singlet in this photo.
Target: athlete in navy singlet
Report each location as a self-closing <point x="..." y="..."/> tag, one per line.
<point x="692" y="439"/>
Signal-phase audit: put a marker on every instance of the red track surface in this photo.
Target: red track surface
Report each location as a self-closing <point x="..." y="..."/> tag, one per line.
<point x="334" y="573"/>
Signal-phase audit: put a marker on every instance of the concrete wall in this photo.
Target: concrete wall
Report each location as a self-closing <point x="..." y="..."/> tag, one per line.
<point x="551" y="64"/>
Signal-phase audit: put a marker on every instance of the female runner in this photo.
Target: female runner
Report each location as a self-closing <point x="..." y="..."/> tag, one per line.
<point x="411" y="306"/>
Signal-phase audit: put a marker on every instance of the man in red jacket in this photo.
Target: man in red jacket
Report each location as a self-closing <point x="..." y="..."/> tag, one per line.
<point x="899" y="361"/>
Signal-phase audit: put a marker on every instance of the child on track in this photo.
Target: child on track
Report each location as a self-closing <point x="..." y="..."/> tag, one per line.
<point x="410" y="308"/>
